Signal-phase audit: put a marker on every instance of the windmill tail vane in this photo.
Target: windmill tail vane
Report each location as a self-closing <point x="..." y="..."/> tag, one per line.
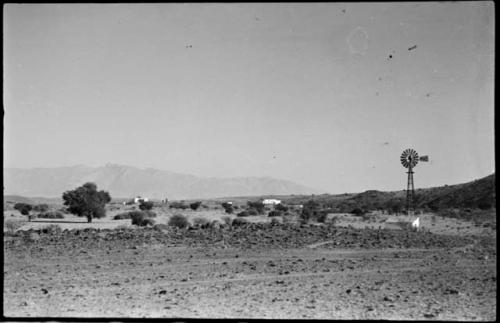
<point x="423" y="158"/>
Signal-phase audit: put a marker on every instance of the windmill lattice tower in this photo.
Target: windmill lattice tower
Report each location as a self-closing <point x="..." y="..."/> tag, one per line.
<point x="409" y="159"/>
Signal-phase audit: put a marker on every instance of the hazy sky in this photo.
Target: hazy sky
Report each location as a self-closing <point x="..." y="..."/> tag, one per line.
<point x="324" y="94"/>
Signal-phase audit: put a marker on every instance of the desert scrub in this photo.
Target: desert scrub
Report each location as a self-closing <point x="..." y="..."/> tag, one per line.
<point x="51" y="215"/>
<point x="201" y="223"/>
<point x="179" y="221"/>
<point x="243" y="214"/>
<point x="142" y="218"/>
<point x="194" y="206"/>
<point x="12" y="225"/>
<point x="239" y="221"/>
<point x="51" y="229"/>
<point x="178" y="205"/>
<point x="275" y="213"/>
<point x="227" y="220"/>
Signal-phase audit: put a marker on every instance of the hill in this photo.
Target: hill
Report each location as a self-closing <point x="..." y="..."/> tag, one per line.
<point x="125" y="182"/>
<point x="478" y="194"/>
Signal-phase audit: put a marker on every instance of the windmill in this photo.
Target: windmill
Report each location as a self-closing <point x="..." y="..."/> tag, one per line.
<point x="409" y="159"/>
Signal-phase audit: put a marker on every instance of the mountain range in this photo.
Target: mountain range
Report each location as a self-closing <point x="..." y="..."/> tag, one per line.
<point x="126" y="182"/>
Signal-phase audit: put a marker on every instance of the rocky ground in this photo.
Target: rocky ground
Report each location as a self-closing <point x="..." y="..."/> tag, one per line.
<point x="256" y="270"/>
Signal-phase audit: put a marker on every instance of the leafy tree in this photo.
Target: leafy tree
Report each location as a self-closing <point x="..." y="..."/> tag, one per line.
<point x="146" y="205"/>
<point x="194" y="206"/>
<point x="87" y="201"/>
<point x="24" y="208"/>
<point x="309" y="210"/>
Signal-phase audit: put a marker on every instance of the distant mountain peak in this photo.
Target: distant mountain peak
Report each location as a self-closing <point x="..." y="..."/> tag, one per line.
<point x="127" y="181"/>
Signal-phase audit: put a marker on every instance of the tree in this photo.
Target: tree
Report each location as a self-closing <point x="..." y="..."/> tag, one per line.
<point x="24" y="209"/>
<point x="87" y="201"/>
<point x="309" y="211"/>
<point x="146" y="205"/>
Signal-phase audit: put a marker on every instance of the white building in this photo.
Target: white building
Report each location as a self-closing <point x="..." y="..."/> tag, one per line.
<point x="271" y="201"/>
<point x="139" y="199"/>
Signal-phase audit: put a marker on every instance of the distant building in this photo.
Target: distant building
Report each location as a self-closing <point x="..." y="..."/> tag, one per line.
<point x="271" y="201"/>
<point x="404" y="222"/>
<point x="139" y="199"/>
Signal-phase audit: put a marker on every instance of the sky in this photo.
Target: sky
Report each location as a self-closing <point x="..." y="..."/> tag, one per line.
<point x="327" y="95"/>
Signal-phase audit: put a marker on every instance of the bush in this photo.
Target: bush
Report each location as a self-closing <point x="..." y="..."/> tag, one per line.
<point x="227" y="220"/>
<point x="178" y="205"/>
<point x="194" y="206"/>
<point x="321" y="216"/>
<point x="252" y="212"/>
<point x="142" y="218"/>
<point x="257" y="205"/>
<point x="146" y="222"/>
<point x="358" y="212"/>
<point x="238" y="222"/>
<point x="13" y="225"/>
<point x="275" y="213"/>
<point x="122" y="216"/>
<point x="179" y="221"/>
<point x="243" y="214"/>
<point x="275" y="221"/>
<point x="280" y="207"/>
<point x="146" y="205"/>
<point x="201" y="223"/>
<point x="228" y="207"/>
<point x="41" y="208"/>
<point x="51" y="215"/>
<point x="51" y="229"/>
<point x="309" y="211"/>
<point x="24" y="208"/>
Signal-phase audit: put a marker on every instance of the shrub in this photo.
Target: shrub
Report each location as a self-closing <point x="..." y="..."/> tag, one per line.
<point x="275" y="221"/>
<point x="238" y="222"/>
<point x="257" y="205"/>
<point x="201" y="223"/>
<point x="51" y="215"/>
<point x="41" y="208"/>
<point x="122" y="216"/>
<point x="281" y="207"/>
<point x="51" y="229"/>
<point x="275" y="213"/>
<point x="243" y="214"/>
<point x="358" y="212"/>
<point x="13" y="225"/>
<point x="179" y="221"/>
<point x="227" y="220"/>
<point x="194" y="206"/>
<point x="228" y="207"/>
<point x="160" y="227"/>
<point x="252" y="212"/>
<point x="321" y="216"/>
<point x="141" y="218"/>
<point x="146" y="222"/>
<point x="146" y="205"/>
<point x="24" y="208"/>
<point x="309" y="211"/>
<point x="178" y="205"/>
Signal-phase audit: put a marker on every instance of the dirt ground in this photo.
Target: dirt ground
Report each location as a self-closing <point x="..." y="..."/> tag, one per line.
<point x="253" y="271"/>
